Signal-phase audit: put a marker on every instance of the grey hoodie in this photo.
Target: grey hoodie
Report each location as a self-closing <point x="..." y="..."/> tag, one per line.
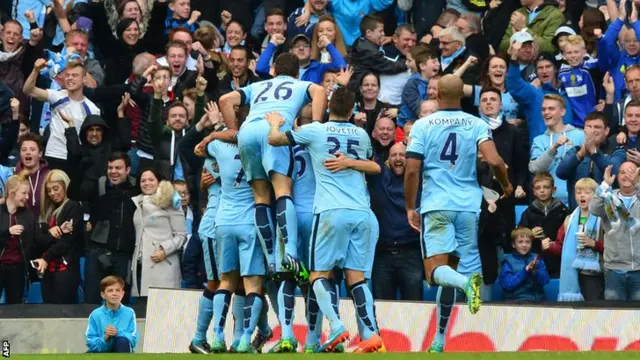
<point x="621" y="248"/>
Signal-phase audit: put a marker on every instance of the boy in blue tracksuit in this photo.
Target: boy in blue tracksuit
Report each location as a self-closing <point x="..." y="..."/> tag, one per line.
<point x="581" y="79"/>
<point x="614" y="60"/>
<point x="424" y="64"/>
<point x="529" y="97"/>
<point x="112" y="326"/>
<point x="523" y="274"/>
<point x="310" y="70"/>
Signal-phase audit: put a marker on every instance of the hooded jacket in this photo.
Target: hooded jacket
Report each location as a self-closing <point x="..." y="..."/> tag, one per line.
<point x="518" y="283"/>
<point x="414" y="92"/>
<point x="543" y="27"/>
<point x="365" y="57"/>
<point x="550" y="217"/>
<point x="613" y="59"/>
<point x="36" y="181"/>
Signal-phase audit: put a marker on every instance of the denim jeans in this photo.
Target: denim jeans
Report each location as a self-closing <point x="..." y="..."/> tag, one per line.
<point x="94" y="273"/>
<point x="622" y="286"/>
<point x="398" y="269"/>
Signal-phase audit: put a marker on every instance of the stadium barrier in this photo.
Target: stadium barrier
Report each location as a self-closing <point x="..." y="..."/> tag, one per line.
<point x="405" y="326"/>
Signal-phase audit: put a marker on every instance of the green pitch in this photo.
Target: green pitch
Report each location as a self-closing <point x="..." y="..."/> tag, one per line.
<point x="387" y="356"/>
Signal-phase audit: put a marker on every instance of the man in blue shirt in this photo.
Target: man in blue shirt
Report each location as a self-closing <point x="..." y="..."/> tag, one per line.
<point x="343" y="224"/>
<point x="445" y="146"/>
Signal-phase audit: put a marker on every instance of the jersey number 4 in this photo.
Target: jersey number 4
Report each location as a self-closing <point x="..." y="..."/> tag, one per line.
<point x="350" y="144"/>
<point x="449" y="151"/>
<point x="281" y="92"/>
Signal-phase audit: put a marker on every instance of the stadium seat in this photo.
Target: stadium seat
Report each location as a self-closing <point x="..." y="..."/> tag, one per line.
<point x="183" y="284"/>
<point x="80" y="295"/>
<point x="429" y="293"/>
<point x="519" y="210"/>
<point x="34" y="295"/>
<point x="82" y="262"/>
<point x="497" y="294"/>
<point x="552" y="289"/>
<point x="2" y="299"/>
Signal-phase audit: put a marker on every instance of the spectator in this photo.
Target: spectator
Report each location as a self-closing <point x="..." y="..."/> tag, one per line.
<point x="590" y="20"/>
<point x="398" y="259"/>
<point x="470" y="26"/>
<point x="181" y="16"/>
<point x="560" y="40"/>
<point x="183" y="35"/>
<point x="211" y="40"/>
<point x="160" y="234"/>
<point x="79" y="40"/>
<point x="616" y="111"/>
<point x="454" y="53"/>
<point x="580" y="80"/>
<point x="348" y="15"/>
<point x="365" y="55"/>
<point x="496" y="21"/>
<point x="427" y="107"/>
<point x="181" y="188"/>
<point x="620" y="213"/>
<point x="11" y="130"/>
<point x="511" y="147"/>
<point x="629" y="135"/>
<point x="14" y="156"/>
<point x="391" y="86"/>
<point x="580" y="247"/>
<point x="530" y="98"/>
<point x="493" y="75"/>
<point x="383" y="136"/>
<point x="548" y="149"/>
<point x="60" y="236"/>
<point x="424" y="65"/>
<point x="276" y="27"/>
<point x="316" y="9"/>
<point x="544" y="216"/>
<point x="612" y="58"/>
<point x="326" y="27"/>
<point x="590" y="159"/>
<point x="17" y="243"/>
<point x="368" y="105"/>
<point x="526" y="55"/>
<point x="523" y="274"/>
<point x="110" y="243"/>
<point x="236" y="35"/>
<point x="541" y="18"/>
<point x="238" y="75"/>
<point x="71" y="102"/>
<point x="112" y="326"/>
<point x="34" y="167"/>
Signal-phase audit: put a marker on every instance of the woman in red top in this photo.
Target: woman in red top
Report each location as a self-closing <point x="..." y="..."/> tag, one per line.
<point x="17" y="226"/>
<point x="60" y="237"/>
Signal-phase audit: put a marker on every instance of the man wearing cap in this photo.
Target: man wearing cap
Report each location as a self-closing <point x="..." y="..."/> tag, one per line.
<point x="529" y="97"/>
<point x="310" y="70"/>
<point x="540" y="18"/>
<point x="526" y="55"/>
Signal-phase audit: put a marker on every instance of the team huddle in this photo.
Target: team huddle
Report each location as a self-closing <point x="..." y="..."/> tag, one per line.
<point x="291" y="209"/>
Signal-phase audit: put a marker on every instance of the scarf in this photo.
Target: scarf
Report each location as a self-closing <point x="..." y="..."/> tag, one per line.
<point x="574" y="259"/>
<point x="6" y="56"/>
<point x="446" y="61"/>
<point x="617" y="213"/>
<point x="493" y="123"/>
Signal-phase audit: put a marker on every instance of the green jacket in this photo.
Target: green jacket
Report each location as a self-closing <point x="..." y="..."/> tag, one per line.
<point x="542" y="28"/>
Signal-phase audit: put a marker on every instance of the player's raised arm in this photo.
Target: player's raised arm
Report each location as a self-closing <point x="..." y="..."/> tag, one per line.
<point x="228" y="102"/>
<point x="488" y="150"/>
<point x="276" y="137"/>
<point x="341" y="162"/>
<point x="319" y="102"/>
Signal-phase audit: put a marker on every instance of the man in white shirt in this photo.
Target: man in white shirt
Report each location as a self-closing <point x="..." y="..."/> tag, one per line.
<point x="68" y="105"/>
<point x="404" y="39"/>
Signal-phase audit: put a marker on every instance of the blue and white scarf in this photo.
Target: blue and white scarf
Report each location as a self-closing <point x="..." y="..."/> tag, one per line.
<point x="575" y="259"/>
<point x="446" y="61"/>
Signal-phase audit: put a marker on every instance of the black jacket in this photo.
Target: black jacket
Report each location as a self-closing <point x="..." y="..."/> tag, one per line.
<point x="224" y="86"/>
<point x="365" y="56"/>
<point x="70" y="246"/>
<point x="470" y="76"/>
<point x="478" y="45"/>
<point x="27" y="239"/>
<point x="550" y="218"/>
<point x="496" y="21"/>
<point x="112" y="217"/>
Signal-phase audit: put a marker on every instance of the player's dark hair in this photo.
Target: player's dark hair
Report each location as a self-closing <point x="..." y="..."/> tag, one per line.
<point x="370" y="22"/>
<point x="597" y="115"/>
<point x="119" y="155"/>
<point x="287" y="64"/>
<point x="342" y="102"/>
<point x="491" y="89"/>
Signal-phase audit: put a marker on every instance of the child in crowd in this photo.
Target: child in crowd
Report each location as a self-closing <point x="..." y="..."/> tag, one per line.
<point x="424" y="65"/>
<point x="560" y="40"/>
<point x="523" y="274"/>
<point x="112" y="326"/>
<point x="544" y="216"/>
<point x="182" y="16"/>
<point x="581" y="79"/>
<point x="428" y="107"/>
<point x="580" y="247"/>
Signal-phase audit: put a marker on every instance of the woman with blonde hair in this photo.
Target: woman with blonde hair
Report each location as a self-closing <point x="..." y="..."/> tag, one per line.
<point x="326" y="27"/>
<point x="160" y="234"/>
<point x="17" y="226"/>
<point x="59" y="239"/>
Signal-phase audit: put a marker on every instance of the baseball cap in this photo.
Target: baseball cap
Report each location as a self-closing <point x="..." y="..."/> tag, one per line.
<point x="300" y="36"/>
<point x="547" y="56"/>
<point x="521" y="37"/>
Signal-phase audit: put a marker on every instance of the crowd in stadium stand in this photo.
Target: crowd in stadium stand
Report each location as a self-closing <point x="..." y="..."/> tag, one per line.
<point x="103" y="101"/>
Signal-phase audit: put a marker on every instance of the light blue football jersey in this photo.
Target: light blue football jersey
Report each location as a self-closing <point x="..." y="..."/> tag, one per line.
<point x="345" y="189"/>
<point x="447" y="142"/>
<point x="282" y="94"/>
<point x="236" y="201"/>
<point x="304" y="180"/>
<point x="208" y="223"/>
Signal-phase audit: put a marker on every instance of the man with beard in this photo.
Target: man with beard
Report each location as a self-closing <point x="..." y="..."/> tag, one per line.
<point x="589" y="160"/>
<point x="239" y="75"/>
<point x="70" y="102"/>
<point x="383" y="136"/>
<point x="31" y="161"/>
<point x="398" y="261"/>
